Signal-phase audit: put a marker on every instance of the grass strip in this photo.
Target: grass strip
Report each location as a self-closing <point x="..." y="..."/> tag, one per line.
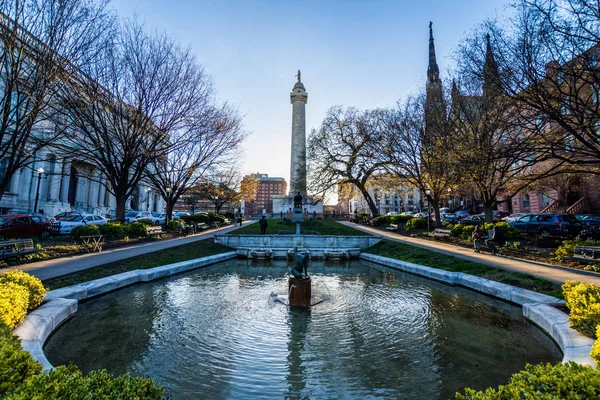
<point x="199" y="249"/>
<point x="428" y="258"/>
<point x="323" y="227"/>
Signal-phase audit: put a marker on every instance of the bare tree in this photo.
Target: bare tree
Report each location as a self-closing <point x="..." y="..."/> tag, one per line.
<point x="551" y="57"/>
<point x="342" y="151"/>
<point x="130" y="106"/>
<point x="416" y="155"/>
<point x="209" y="144"/>
<point x="220" y="187"/>
<point x="43" y="44"/>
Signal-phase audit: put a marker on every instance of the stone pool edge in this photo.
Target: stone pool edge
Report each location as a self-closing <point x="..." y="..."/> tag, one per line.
<point x="61" y="303"/>
<point x="538" y="308"/>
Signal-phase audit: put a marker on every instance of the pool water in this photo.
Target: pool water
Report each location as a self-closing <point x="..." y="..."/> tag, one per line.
<point x="216" y="333"/>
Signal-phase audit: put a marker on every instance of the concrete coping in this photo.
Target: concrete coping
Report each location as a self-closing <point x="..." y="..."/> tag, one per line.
<point x="60" y="304"/>
<point x="538" y="308"/>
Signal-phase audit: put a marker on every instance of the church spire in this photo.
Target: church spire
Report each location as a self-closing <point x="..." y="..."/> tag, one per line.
<point x="491" y="76"/>
<point x="433" y="72"/>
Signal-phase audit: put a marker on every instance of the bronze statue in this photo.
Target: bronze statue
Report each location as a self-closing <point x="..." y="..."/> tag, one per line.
<point x="300" y="268"/>
<point x="298" y="200"/>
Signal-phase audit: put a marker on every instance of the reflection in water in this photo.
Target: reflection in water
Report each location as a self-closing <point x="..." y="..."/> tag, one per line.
<point x="215" y="334"/>
<point x="299" y="321"/>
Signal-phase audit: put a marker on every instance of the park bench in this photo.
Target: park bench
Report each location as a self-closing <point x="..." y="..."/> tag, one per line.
<point x="440" y="233"/>
<point x="202" y="226"/>
<point x="55" y="225"/>
<point x="392" y="227"/>
<point x="19" y="247"/>
<point x="92" y="243"/>
<point x="154" y="231"/>
<point x="215" y="224"/>
<point x="587" y="254"/>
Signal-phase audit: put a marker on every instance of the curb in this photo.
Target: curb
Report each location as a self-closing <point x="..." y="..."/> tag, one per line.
<point x="537" y="307"/>
<point x="60" y="304"/>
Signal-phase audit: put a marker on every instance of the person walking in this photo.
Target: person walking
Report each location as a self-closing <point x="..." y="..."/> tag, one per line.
<point x="263" y="225"/>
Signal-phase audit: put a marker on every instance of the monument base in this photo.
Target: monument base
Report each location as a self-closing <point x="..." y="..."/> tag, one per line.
<point x="297" y="215"/>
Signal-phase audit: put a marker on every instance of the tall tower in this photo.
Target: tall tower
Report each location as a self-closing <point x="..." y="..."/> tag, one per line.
<point x="435" y="108"/>
<point x="298" y="98"/>
<point x="491" y="76"/>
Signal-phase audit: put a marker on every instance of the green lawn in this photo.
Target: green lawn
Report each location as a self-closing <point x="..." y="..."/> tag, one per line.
<point x="418" y="255"/>
<point x="202" y="248"/>
<point x="323" y="227"/>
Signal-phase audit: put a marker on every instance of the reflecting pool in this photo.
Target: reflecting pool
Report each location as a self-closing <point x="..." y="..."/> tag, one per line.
<point x="216" y="333"/>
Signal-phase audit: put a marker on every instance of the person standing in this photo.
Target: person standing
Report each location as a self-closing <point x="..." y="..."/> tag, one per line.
<point x="263" y="225"/>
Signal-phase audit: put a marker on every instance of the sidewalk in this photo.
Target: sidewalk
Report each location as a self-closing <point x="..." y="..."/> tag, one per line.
<point x="68" y="265"/>
<point x="553" y="273"/>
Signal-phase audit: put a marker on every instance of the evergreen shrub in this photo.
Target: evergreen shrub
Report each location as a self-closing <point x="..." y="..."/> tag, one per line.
<point x="16" y="364"/>
<point x="85" y="230"/>
<point x="14" y="301"/>
<point x="216" y="218"/>
<point x="67" y="382"/>
<point x="112" y="231"/>
<point x="137" y="229"/>
<point x="173" y="225"/>
<point x="583" y="301"/>
<point x="544" y="381"/>
<point x="415" y="223"/>
<point x="381" y="220"/>
<point x="33" y="285"/>
<point x="595" y="354"/>
<point x="399" y="219"/>
<point x="567" y="248"/>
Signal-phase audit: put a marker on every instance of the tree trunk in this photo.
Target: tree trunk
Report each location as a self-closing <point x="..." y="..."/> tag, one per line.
<point x="121" y="198"/>
<point x="370" y="202"/>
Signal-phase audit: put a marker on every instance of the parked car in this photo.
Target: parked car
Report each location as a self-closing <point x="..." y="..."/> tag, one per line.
<point x="61" y="215"/>
<point x="159" y="218"/>
<point x="588" y="219"/>
<point x="420" y="215"/>
<point x="449" y="217"/>
<point x="563" y="225"/>
<point x="68" y="223"/>
<point x="180" y="214"/>
<point x="514" y="217"/>
<point x="24" y="225"/>
<point x="478" y="219"/>
<point x="137" y="216"/>
<point x="461" y="214"/>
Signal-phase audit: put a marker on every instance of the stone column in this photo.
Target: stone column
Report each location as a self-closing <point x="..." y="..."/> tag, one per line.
<point x="65" y="180"/>
<point x="298" y="98"/>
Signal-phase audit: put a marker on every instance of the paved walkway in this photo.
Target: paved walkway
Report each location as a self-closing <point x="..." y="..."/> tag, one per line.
<point x="67" y="265"/>
<point x="550" y="272"/>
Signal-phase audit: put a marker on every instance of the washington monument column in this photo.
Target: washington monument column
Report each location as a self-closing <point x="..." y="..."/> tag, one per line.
<point x="298" y="98"/>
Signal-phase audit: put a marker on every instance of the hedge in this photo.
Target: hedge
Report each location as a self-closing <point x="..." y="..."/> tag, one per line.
<point x="381" y="220"/>
<point x="16" y="364"/>
<point x="113" y="231"/>
<point x="595" y="354"/>
<point x="85" y="230"/>
<point x="415" y="223"/>
<point x="67" y="382"/>
<point x="137" y="229"/>
<point x="583" y="301"/>
<point x="22" y="378"/>
<point x="567" y="248"/>
<point x="34" y="286"/>
<point x="544" y="381"/>
<point x="14" y="301"/>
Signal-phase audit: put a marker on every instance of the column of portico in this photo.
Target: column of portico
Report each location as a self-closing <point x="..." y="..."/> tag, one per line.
<point x="54" y="181"/>
<point x="66" y="179"/>
<point x="95" y="189"/>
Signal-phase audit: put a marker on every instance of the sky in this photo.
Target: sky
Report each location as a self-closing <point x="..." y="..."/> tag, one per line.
<point x="356" y="53"/>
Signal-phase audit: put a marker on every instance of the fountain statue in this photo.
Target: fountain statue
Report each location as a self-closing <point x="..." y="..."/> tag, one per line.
<point x="299" y="283"/>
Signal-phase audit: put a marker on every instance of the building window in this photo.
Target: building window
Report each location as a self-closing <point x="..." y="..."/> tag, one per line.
<point x="525" y="201"/>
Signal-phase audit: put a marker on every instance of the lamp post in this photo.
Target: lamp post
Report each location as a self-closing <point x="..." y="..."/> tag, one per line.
<point x="37" y="192"/>
<point x="168" y="190"/>
<point x="428" y="192"/>
<point x="148" y="190"/>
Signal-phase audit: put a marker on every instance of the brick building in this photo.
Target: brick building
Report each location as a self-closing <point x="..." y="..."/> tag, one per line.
<point x="262" y="189"/>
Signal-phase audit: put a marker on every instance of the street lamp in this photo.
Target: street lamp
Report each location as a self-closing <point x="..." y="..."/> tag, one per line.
<point x="428" y="192"/>
<point x="449" y="197"/>
<point x="37" y="192"/>
<point x="148" y="190"/>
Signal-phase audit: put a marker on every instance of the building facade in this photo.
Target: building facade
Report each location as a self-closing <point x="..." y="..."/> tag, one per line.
<point x="263" y="189"/>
